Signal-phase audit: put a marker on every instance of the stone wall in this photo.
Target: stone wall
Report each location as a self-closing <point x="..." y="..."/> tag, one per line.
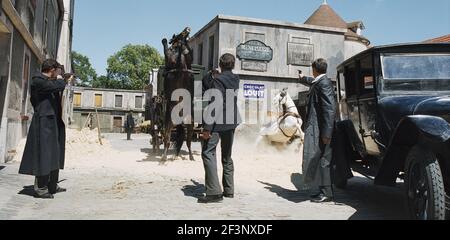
<point x="281" y="72"/>
<point x="108" y="111"/>
<point x="22" y="39"/>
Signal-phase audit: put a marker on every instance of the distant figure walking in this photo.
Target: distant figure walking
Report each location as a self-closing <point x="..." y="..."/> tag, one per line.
<point x="129" y="125"/>
<point x="44" y="153"/>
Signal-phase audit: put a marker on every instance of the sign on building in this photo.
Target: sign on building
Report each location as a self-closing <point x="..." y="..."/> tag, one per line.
<point x="254" y="55"/>
<point x="254" y="91"/>
<point x="300" y="54"/>
<point x="254" y="50"/>
<point x="254" y="66"/>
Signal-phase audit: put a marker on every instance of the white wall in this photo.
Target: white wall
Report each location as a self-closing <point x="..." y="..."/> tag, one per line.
<point x="65" y="41"/>
<point x="352" y="48"/>
<point x="108" y="97"/>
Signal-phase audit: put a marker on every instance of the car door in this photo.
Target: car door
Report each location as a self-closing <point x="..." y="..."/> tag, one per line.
<point x="351" y="102"/>
<point x="367" y="104"/>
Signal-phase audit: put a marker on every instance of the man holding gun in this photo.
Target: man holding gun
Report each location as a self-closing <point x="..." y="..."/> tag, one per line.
<point x="319" y="127"/>
<point x="44" y="153"/>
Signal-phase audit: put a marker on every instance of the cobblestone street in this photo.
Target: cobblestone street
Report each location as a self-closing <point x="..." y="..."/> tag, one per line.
<point x="135" y="185"/>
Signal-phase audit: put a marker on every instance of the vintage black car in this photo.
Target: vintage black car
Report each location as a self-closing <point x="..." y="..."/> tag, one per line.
<point x="394" y="123"/>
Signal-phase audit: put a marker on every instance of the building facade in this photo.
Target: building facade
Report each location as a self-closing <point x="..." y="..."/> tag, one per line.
<point x="30" y="32"/>
<point x="111" y="105"/>
<point x="270" y="54"/>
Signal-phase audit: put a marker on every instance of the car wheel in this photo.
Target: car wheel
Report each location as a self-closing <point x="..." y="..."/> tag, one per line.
<point x="425" y="191"/>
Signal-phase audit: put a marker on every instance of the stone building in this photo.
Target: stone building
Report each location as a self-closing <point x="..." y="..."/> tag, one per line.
<point x="30" y="32"/>
<point x="271" y="53"/>
<point x="112" y="107"/>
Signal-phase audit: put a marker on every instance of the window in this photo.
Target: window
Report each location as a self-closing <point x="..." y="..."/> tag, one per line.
<point x="366" y="78"/>
<point x="45" y="30"/>
<point x="55" y="39"/>
<point x="117" y="122"/>
<point x="118" y="101"/>
<point x="98" y="100"/>
<point x="200" y="54"/>
<point x="416" y="72"/>
<point x="341" y="86"/>
<point x="350" y="81"/>
<point x="77" y="99"/>
<point x="416" y="67"/>
<point x="33" y="4"/>
<point x="25" y="80"/>
<point x="211" y="53"/>
<point x="138" y="102"/>
<point x="32" y="11"/>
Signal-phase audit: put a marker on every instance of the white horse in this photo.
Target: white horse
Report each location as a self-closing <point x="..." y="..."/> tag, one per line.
<point x="288" y="124"/>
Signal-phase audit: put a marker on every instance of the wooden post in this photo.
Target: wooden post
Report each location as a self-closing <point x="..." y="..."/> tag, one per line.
<point x="87" y="120"/>
<point x="98" y="128"/>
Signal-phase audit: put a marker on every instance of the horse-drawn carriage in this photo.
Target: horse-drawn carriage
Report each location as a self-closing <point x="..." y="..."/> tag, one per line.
<point x="178" y="73"/>
<point x="159" y="105"/>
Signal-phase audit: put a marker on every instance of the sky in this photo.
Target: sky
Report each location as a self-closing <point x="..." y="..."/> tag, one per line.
<point x="103" y="27"/>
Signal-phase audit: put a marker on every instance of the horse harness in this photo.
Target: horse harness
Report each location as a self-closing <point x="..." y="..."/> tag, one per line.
<point x="285" y="115"/>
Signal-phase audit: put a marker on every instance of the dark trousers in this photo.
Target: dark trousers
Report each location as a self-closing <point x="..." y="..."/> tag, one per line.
<point x="324" y="172"/>
<point x="49" y="182"/>
<point x="209" y="148"/>
<point x="129" y="131"/>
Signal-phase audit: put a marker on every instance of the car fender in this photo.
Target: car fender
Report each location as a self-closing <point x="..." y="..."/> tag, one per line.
<point x="435" y="128"/>
<point x="410" y="131"/>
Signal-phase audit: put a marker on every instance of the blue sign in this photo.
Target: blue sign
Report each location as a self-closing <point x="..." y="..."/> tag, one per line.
<point x="255" y="91"/>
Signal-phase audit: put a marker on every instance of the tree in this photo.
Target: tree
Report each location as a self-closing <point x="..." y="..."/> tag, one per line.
<point x="106" y="82"/>
<point x="83" y="70"/>
<point x="132" y="65"/>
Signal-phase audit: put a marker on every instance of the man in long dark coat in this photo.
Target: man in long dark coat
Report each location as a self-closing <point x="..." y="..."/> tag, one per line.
<point x="44" y="153"/>
<point x="129" y="125"/>
<point x="319" y="128"/>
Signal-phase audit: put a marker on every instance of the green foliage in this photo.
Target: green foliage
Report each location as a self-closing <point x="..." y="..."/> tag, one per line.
<point x="83" y="69"/>
<point x="130" y="67"/>
<point x="105" y="82"/>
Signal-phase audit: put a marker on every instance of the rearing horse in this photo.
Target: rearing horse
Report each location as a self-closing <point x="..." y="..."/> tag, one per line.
<point x="178" y="75"/>
<point x="288" y="124"/>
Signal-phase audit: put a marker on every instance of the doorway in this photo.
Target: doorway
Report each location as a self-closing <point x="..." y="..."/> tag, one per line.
<point x="5" y="46"/>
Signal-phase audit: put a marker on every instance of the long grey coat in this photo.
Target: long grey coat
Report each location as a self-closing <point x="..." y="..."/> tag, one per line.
<point x="320" y="122"/>
<point x="45" y="148"/>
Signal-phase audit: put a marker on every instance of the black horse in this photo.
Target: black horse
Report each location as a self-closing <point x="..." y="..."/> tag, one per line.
<point x="178" y="75"/>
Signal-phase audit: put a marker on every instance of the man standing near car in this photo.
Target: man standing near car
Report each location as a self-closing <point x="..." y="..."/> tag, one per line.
<point x="319" y="127"/>
<point x="44" y="152"/>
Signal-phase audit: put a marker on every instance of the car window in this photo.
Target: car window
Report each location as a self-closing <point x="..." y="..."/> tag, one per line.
<point x="341" y="88"/>
<point x="365" y="77"/>
<point x="416" y="72"/>
<point x="351" y="85"/>
<point x="420" y="67"/>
